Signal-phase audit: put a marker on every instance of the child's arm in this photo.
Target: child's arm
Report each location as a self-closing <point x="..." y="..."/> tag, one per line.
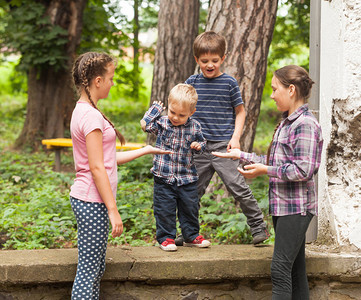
<point x="94" y="146"/>
<point x="238" y="127"/>
<point x="149" y="121"/>
<point x="126" y="156"/>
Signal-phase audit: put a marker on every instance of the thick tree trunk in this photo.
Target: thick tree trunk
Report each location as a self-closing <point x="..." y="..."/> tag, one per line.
<point x="50" y="92"/>
<point x="174" y="62"/>
<point x="247" y="26"/>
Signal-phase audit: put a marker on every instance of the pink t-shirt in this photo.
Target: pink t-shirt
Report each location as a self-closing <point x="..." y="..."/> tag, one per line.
<point x="84" y="120"/>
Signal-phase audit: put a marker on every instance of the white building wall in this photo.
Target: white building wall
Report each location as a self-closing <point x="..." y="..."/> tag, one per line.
<point x="340" y="118"/>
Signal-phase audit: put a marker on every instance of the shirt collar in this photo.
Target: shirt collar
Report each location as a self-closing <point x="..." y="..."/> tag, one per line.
<point x="299" y="111"/>
<point x="185" y="124"/>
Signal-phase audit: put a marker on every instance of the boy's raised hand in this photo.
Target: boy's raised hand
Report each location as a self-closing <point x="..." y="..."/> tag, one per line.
<point x="160" y="103"/>
<point x="232" y="153"/>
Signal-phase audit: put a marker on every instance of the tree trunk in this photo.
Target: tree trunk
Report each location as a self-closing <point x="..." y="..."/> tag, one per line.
<point x="174" y="61"/>
<point x="247" y="26"/>
<point x="50" y="92"/>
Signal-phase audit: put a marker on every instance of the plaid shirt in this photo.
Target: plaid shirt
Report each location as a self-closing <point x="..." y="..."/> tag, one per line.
<point x="177" y="167"/>
<point x="294" y="160"/>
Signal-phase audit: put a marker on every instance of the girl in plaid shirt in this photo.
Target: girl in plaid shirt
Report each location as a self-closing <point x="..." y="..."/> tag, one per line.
<point x="292" y="162"/>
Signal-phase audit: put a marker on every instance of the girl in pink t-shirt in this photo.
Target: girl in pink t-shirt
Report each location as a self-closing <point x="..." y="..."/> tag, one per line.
<point x="93" y="193"/>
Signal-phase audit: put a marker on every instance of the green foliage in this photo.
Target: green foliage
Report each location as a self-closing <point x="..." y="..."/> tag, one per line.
<point x="31" y="33"/>
<point x="99" y="34"/>
<point x="34" y="204"/>
<point x="290" y="40"/>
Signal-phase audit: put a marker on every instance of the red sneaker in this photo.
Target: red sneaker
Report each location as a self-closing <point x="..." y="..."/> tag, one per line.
<point x="199" y="242"/>
<point x="168" y="245"/>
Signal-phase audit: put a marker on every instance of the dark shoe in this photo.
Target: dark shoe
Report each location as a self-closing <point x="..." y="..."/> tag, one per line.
<point x="261" y="236"/>
<point x="179" y="240"/>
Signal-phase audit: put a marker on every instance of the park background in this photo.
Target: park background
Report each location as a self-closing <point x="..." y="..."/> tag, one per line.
<point x="35" y="212"/>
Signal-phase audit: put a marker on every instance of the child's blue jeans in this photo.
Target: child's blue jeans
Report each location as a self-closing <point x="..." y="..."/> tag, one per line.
<point x="93" y="229"/>
<point x="167" y="198"/>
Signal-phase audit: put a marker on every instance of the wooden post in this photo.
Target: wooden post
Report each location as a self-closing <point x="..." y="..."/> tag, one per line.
<point x="314" y="102"/>
<point x="57" y="159"/>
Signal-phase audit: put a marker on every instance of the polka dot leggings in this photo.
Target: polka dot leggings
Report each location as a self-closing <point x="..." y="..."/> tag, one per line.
<point x="93" y="228"/>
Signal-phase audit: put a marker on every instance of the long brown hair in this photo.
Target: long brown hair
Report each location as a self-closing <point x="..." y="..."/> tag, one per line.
<point x="88" y="66"/>
<point x="299" y="77"/>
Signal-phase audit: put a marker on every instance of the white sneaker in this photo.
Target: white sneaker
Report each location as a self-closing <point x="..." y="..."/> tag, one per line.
<point x="168" y="245"/>
<point x="199" y="242"/>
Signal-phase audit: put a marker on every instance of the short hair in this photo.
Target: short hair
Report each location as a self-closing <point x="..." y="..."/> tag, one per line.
<point x="184" y="93"/>
<point x="297" y="76"/>
<point x="209" y="42"/>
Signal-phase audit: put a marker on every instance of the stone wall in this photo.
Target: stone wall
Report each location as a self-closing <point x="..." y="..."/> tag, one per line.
<point x="141" y="273"/>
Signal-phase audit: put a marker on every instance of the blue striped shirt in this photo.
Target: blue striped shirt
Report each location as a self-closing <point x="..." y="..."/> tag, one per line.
<point x="217" y="98"/>
<point x="177" y="167"/>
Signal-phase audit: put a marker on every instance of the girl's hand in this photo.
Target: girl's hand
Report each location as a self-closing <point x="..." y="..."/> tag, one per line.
<point x="196" y="146"/>
<point x="153" y="150"/>
<point x="117" y="223"/>
<point x="232" y="153"/>
<point x="254" y="170"/>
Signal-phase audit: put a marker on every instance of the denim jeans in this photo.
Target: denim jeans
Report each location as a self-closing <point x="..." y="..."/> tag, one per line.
<point x="288" y="268"/>
<point x="167" y="198"/>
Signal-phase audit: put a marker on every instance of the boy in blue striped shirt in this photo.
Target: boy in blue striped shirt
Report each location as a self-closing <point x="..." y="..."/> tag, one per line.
<point x="221" y="113"/>
<point x="175" y="175"/>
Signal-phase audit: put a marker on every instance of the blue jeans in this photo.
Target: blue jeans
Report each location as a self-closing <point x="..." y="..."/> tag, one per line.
<point x="93" y="229"/>
<point x="167" y="198"/>
<point x="288" y="268"/>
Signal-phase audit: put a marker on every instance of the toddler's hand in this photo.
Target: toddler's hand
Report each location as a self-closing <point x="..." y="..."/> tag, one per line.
<point x="196" y="146"/>
<point x="160" y="103"/>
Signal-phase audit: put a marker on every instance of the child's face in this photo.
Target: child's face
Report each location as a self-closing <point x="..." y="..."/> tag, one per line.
<point x="280" y="94"/>
<point x="210" y="64"/>
<point x="178" y="112"/>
